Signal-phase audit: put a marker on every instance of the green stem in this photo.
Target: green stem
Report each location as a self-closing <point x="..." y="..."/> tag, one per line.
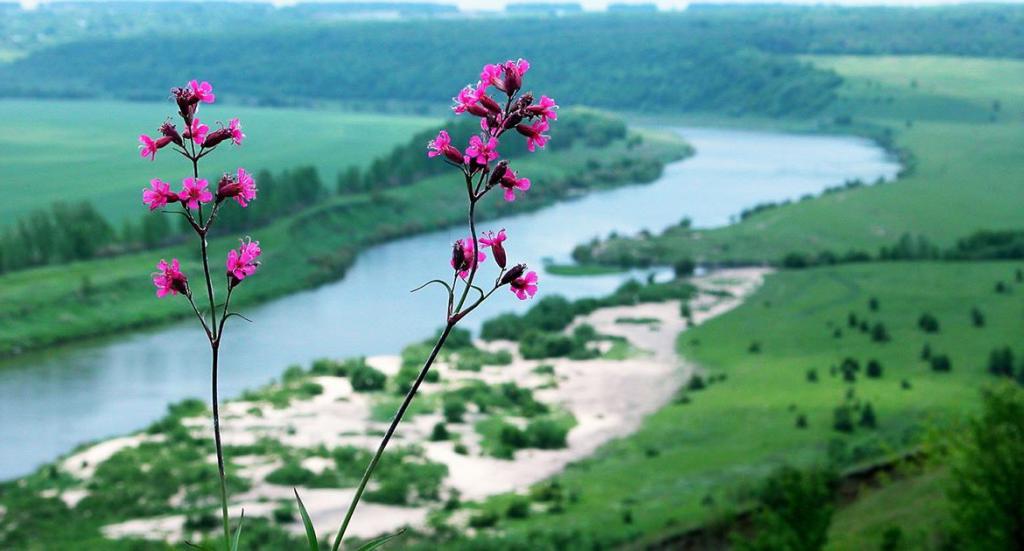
<point x="391" y="430"/>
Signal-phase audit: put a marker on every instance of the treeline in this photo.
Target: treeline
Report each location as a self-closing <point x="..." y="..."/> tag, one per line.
<point x="681" y="63"/>
<point x="69" y="232"/>
<point x="981" y="245"/>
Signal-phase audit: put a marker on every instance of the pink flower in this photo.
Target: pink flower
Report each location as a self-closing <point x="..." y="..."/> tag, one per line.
<point x="202" y="91"/>
<point x="236" y="131"/>
<point x="514" y="71"/>
<point x="150" y="146"/>
<point x="194" y="192"/>
<point x="169" y="280"/>
<point x="524" y="287"/>
<point x="490" y="75"/>
<point x="462" y="257"/>
<point x="197" y="131"/>
<point x="481" y="152"/>
<point x="469" y="100"/>
<point x="511" y="182"/>
<point x="534" y="133"/>
<point x="242" y="187"/>
<point x="442" y="145"/>
<point x="493" y="241"/>
<point x="242" y="262"/>
<point x="545" y="109"/>
<point x="158" y="194"/>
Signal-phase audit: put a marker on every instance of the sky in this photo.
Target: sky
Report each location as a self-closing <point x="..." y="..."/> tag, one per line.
<point x="483" y="5"/>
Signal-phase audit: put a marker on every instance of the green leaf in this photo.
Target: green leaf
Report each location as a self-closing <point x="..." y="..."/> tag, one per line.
<point x="238" y="532"/>
<point x="375" y="543"/>
<point x="310" y="531"/>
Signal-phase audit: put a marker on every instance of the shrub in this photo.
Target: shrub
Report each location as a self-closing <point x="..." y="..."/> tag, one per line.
<point x="874" y="369"/>
<point x="794" y="512"/>
<point x="812" y="375"/>
<point x="1000" y="362"/>
<point x="879" y="333"/>
<point x="926" y="352"/>
<point x="842" y="419"/>
<point x="801" y="421"/>
<point x="928" y="323"/>
<point x="290" y="474"/>
<point x="454" y="408"/>
<point x="795" y="261"/>
<point x="873" y="304"/>
<point x="546" y="434"/>
<point x="518" y="508"/>
<point x="483" y="519"/>
<point x="941" y="363"/>
<point x="536" y="345"/>
<point x="365" y="378"/>
<point x="754" y="348"/>
<point x="284" y="513"/>
<point x="544" y="369"/>
<point x="684" y="268"/>
<point x="461" y="449"/>
<point x="512" y="437"/>
<point x="977" y="318"/>
<point x="867" y="417"/>
<point x="696" y="382"/>
<point x="440" y="433"/>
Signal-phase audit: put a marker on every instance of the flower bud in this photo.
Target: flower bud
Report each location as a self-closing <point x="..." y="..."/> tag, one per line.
<point x="513" y="80"/>
<point x="227" y="187"/>
<point x="459" y="260"/>
<point x="168" y="129"/>
<point x="525" y="100"/>
<point x="498" y="173"/>
<point x="187" y="103"/>
<point x="477" y="109"/>
<point x="513" y="119"/>
<point x="490" y="104"/>
<point x="513" y="273"/>
<point x="215" y="137"/>
<point x="162" y="141"/>
<point x="498" y="250"/>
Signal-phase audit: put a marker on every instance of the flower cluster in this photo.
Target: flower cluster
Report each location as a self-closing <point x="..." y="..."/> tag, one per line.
<point x="480" y="164"/>
<point x="194" y="143"/>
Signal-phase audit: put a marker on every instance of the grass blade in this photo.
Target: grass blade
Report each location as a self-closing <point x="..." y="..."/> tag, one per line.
<point x="377" y="542"/>
<point x="310" y="531"/>
<point x="238" y="532"/>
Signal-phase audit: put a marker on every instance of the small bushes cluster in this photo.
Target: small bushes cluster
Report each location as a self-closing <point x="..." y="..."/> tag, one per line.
<point x="545" y="433"/>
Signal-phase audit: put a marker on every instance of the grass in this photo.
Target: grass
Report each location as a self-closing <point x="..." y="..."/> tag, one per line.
<point x="581" y="269"/>
<point x="72" y="150"/>
<point x="701" y="458"/>
<point x="55" y="304"/>
<point x="965" y="176"/>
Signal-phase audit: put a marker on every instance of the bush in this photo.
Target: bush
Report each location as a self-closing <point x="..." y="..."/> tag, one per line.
<point x="1000" y="362"/>
<point x="794" y="512"/>
<point x="365" y="378"/>
<point x="536" y="345"/>
<point x="684" y="268"/>
<point x="795" y="261"/>
<point x="483" y="519"/>
<point x="546" y="434"/>
<point x="941" y="363"/>
<point x="928" y="323"/>
<point x="801" y="421"/>
<point x="842" y="419"/>
<point x="291" y="474"/>
<point x="867" y="417"/>
<point x="696" y="382"/>
<point x="874" y="369"/>
<point x="977" y="318"/>
<point x="284" y="513"/>
<point x="440" y="433"/>
<point x="454" y="409"/>
<point x="873" y="304"/>
<point x="812" y="375"/>
<point x="327" y="366"/>
<point x="512" y="437"/>
<point x="926" y="352"/>
<point x="518" y="508"/>
<point x="879" y="333"/>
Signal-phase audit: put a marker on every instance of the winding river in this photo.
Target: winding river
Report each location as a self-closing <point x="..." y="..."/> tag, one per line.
<point x="52" y="401"/>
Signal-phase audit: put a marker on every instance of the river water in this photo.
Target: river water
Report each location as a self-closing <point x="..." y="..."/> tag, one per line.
<point x="52" y="401"/>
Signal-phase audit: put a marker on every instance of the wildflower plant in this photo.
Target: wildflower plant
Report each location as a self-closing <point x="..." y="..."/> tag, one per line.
<point x="506" y="112"/>
<point x="199" y="206"/>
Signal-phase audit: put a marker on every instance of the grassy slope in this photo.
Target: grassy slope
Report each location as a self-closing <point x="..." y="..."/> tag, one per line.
<point x="70" y="150"/>
<point x="49" y="305"/>
<point x="967" y="163"/>
<point x="738" y="430"/>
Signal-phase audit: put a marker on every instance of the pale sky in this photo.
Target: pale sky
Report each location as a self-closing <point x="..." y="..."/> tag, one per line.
<point x="596" y="5"/>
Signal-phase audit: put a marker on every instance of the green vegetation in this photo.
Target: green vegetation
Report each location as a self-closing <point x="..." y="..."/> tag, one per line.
<point x="54" y="304"/>
<point x="702" y="456"/>
<point x="956" y="120"/>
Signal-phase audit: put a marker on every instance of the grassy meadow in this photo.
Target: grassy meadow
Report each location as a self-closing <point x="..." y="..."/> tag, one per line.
<point x="701" y="456"/>
<point x="959" y="118"/>
<point x="64" y="150"/>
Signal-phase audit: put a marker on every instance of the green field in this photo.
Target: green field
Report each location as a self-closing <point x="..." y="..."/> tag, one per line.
<point x="71" y="150"/>
<point x="692" y="462"/>
<point x="966" y="174"/>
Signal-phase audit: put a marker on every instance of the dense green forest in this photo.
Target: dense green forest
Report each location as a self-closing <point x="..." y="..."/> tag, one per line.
<point x="731" y="60"/>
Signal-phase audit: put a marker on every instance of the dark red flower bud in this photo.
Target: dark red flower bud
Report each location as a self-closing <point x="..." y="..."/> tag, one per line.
<point x="513" y="119"/>
<point x="513" y="80"/>
<point x="498" y="173"/>
<point x="513" y="273"/>
<point x="459" y="260"/>
<point x="187" y="103"/>
<point x="227" y="187"/>
<point x="499" y="254"/>
<point x="526" y="130"/>
<point x="478" y="110"/>
<point x="215" y="137"/>
<point x="168" y="129"/>
<point x="162" y="141"/>
<point x="453" y="154"/>
<point x="490" y="104"/>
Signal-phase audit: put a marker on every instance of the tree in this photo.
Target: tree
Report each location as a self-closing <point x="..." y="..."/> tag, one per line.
<point x="879" y="333"/>
<point x="928" y="323"/>
<point x="794" y="513"/>
<point x="1000" y="362"/>
<point x="987" y="484"/>
<point x="842" y="419"/>
<point x="874" y="369"/>
<point x="867" y="417"/>
<point x="684" y="268"/>
<point x="977" y="318"/>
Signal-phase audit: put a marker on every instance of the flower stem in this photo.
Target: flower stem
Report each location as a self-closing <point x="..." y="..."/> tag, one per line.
<point x="391" y="431"/>
<point x="220" y="451"/>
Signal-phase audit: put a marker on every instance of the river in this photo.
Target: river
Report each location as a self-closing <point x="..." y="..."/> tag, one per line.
<point x="52" y="401"/>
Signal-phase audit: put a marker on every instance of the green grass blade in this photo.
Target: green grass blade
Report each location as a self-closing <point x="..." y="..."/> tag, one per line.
<point x="375" y="543"/>
<point x="238" y="532"/>
<point x="310" y="531"/>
